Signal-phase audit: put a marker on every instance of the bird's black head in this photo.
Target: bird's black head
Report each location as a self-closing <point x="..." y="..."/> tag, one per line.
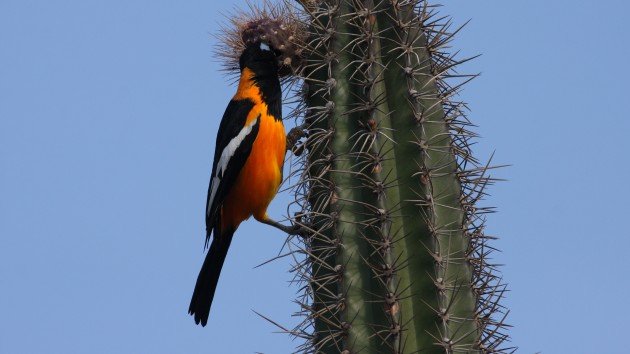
<point x="261" y="58"/>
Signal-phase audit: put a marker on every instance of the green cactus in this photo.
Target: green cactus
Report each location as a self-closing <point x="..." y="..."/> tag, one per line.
<point x="394" y="258"/>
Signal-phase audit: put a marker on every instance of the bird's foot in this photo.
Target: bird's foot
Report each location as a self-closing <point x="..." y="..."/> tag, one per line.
<point x="294" y="229"/>
<point x="293" y="137"/>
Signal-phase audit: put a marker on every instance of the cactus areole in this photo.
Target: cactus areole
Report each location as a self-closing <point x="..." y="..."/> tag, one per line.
<point x="393" y="257"/>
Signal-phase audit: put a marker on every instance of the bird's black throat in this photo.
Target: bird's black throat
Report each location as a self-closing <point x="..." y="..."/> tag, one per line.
<point x="264" y="65"/>
<point x="269" y="85"/>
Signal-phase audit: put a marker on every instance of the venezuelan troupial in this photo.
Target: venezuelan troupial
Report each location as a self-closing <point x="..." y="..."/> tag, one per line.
<point x="249" y="152"/>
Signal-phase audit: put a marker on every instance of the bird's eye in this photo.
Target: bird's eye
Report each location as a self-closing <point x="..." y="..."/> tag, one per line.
<point x="264" y="46"/>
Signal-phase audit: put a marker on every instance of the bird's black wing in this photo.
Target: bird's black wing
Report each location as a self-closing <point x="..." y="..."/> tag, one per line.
<point x="233" y="146"/>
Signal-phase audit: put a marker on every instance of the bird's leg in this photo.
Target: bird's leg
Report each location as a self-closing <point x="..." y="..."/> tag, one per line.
<point x="294" y="229"/>
<point x="294" y="136"/>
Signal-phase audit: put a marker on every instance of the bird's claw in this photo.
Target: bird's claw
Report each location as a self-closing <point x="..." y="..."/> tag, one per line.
<point x="297" y="230"/>
<point x="293" y="137"/>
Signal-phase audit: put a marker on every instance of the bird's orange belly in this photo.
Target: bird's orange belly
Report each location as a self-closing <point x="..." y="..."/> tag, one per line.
<point x="260" y="178"/>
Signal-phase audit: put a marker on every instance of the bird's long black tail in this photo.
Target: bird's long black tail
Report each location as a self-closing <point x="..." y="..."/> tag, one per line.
<point x="209" y="276"/>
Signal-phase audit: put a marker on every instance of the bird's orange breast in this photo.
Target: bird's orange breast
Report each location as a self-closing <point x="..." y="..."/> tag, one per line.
<point x="260" y="177"/>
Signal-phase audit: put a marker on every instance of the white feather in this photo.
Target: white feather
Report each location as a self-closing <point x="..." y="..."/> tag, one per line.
<point x="226" y="155"/>
<point x="264" y="46"/>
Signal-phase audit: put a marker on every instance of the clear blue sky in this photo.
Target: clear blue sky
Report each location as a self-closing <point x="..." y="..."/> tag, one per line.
<point x="108" y="114"/>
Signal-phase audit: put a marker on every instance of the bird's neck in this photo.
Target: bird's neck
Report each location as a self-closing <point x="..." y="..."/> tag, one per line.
<point x="261" y="87"/>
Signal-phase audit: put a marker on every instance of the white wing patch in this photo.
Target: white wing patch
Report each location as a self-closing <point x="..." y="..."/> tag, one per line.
<point x="264" y="46"/>
<point x="226" y="155"/>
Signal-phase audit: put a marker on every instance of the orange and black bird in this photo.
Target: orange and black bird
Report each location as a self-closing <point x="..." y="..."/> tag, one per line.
<point x="247" y="167"/>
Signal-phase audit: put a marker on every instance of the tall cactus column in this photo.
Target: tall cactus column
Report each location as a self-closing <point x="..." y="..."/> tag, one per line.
<point x="395" y="253"/>
<point x="421" y="123"/>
